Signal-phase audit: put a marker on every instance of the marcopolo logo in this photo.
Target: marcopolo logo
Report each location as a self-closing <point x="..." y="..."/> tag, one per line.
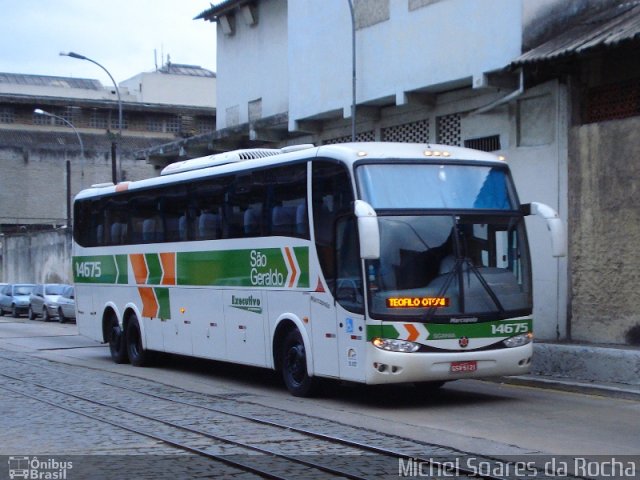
<point x="41" y="469"/>
<point x="250" y="304"/>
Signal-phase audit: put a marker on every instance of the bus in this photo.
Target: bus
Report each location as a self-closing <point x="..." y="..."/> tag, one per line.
<point x="372" y="262"/>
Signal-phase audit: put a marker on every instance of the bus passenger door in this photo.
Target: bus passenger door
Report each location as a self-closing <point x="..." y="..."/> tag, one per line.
<point x="244" y="312"/>
<point x="349" y="294"/>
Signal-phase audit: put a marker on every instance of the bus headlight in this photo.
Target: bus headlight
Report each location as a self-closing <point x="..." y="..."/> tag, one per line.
<point x="518" y="340"/>
<point x="394" y="345"/>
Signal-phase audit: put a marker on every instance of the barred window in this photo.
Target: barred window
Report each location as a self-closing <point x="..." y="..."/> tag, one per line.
<point x="206" y="125"/>
<point x="98" y="119"/>
<point x="7" y="115"/>
<point x="114" y="121"/>
<point x="155" y="124"/>
<point x="173" y="124"/>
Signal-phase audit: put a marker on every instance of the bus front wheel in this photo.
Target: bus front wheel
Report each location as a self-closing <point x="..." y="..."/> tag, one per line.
<point x="117" y="346"/>
<point x="138" y="356"/>
<point x="294" y="366"/>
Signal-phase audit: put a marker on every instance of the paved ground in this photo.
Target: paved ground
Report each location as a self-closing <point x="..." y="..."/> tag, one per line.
<point x="472" y="416"/>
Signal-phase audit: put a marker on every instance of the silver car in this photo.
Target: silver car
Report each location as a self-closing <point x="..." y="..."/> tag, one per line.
<point x="14" y="298"/>
<point x="43" y="301"/>
<point x="67" y="305"/>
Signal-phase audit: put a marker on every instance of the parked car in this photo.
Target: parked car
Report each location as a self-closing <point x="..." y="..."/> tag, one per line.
<point x="14" y="298"/>
<point x="67" y="305"/>
<point x="43" y="300"/>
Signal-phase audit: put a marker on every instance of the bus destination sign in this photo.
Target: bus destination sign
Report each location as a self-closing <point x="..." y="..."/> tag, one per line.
<point x="417" y="302"/>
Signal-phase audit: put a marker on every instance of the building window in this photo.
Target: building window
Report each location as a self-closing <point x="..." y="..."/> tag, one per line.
<point x="98" y="119"/>
<point x="486" y="144"/>
<point x="41" y="119"/>
<point x="114" y="121"/>
<point x="370" y="12"/>
<point x="7" y="115"/>
<point x="611" y="102"/>
<point x="173" y="124"/>
<point x="205" y="125"/>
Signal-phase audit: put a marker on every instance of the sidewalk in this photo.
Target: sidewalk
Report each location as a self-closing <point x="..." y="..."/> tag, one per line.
<point x="592" y="369"/>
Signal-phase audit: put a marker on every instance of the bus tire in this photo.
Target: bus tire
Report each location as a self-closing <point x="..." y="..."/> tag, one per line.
<point x="294" y="366"/>
<point x="117" y="344"/>
<point x="138" y="356"/>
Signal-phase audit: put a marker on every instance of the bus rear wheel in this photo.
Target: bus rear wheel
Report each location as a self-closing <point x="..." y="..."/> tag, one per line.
<point x="294" y="366"/>
<point x="117" y="346"/>
<point x="138" y="356"/>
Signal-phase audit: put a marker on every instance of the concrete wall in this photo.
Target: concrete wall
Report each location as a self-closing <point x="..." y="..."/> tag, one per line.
<point x="156" y="87"/>
<point x="252" y="65"/>
<point x="604" y="175"/>
<point x="538" y="159"/>
<point x="33" y="184"/>
<point x="442" y="44"/>
<point x="43" y="257"/>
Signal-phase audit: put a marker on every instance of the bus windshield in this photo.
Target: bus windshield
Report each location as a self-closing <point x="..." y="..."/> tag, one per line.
<point x="464" y="254"/>
<point x="440" y="267"/>
<point x="420" y="186"/>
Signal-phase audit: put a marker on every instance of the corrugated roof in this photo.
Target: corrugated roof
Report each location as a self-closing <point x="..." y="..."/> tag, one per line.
<point x="221" y="8"/>
<point x="606" y="28"/>
<point x="47" y="81"/>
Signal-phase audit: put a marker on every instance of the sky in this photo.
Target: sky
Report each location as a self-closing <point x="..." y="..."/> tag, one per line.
<point x="121" y="35"/>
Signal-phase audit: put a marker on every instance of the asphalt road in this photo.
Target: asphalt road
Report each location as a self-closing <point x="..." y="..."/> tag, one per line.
<point x="485" y="418"/>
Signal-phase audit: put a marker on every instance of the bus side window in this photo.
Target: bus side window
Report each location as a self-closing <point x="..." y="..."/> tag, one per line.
<point x="349" y="285"/>
<point x="332" y="198"/>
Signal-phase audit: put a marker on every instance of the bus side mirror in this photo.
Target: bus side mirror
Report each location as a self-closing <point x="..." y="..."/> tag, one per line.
<point x="554" y="225"/>
<point x="368" y="230"/>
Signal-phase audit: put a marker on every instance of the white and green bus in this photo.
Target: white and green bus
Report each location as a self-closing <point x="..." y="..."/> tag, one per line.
<point x="365" y="262"/>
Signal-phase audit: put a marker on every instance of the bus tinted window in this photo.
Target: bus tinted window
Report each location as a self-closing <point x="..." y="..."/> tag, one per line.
<point x="264" y="202"/>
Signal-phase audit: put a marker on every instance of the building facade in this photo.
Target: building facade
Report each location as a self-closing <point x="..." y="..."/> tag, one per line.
<point x="57" y="136"/>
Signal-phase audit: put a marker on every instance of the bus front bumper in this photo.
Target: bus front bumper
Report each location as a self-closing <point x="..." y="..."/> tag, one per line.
<point x="396" y="367"/>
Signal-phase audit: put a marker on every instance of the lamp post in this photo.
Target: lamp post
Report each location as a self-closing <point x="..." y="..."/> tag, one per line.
<point x="353" y="71"/>
<point x="39" y="111"/>
<point x="114" y="166"/>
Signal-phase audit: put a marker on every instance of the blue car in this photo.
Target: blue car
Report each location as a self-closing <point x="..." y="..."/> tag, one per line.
<point x="14" y="298"/>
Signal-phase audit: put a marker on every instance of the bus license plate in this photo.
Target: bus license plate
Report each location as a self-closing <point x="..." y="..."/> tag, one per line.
<point x="470" y="366"/>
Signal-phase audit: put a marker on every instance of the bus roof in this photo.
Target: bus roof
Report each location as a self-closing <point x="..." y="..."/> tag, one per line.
<point x="349" y="153"/>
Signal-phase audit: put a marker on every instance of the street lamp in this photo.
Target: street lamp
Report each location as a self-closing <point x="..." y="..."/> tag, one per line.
<point x="353" y="71"/>
<point x="114" y="168"/>
<point x="39" y="111"/>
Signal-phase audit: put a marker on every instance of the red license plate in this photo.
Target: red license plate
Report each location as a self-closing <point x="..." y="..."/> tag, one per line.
<point x="470" y="366"/>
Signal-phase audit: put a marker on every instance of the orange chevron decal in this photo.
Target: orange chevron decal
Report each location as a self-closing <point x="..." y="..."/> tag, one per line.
<point x="168" y="261"/>
<point x="139" y="266"/>
<point x="413" y="332"/>
<point x="149" y="303"/>
<point x="294" y="272"/>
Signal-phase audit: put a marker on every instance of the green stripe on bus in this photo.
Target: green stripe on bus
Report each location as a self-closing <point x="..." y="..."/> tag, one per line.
<point x="162" y="295"/>
<point x="108" y="269"/>
<point x="266" y="267"/>
<point x="302" y="255"/>
<point x="445" y="331"/>
<point x="154" y="268"/>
